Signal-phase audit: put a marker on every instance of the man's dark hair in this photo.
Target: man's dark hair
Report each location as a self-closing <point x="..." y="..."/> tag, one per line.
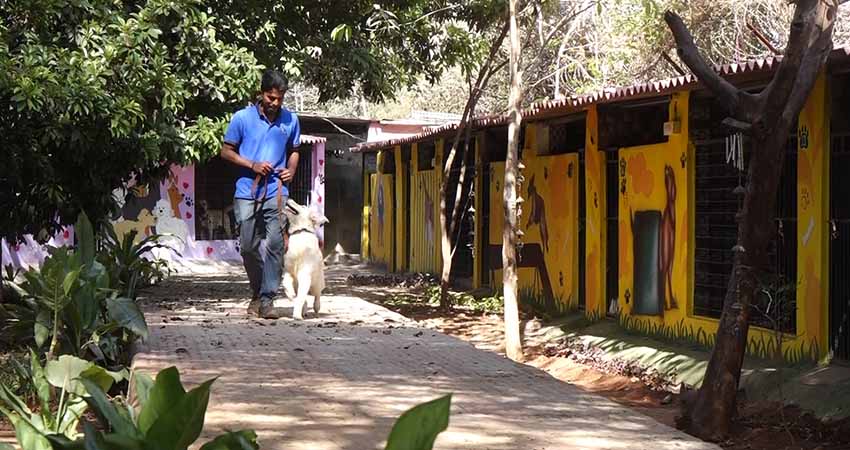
<point x="273" y="79"/>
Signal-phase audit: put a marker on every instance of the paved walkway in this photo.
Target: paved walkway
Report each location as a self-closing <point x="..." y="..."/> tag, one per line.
<point x="340" y="381"/>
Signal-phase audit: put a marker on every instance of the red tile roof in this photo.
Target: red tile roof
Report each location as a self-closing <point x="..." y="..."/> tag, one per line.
<point x="576" y="103"/>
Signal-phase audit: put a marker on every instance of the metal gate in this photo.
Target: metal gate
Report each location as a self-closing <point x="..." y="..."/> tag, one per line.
<point x="839" y="249"/>
<point x="301" y="187"/>
<point x="716" y="233"/>
<point x="463" y="238"/>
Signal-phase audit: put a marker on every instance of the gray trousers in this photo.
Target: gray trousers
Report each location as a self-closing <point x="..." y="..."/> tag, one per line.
<point x="257" y="220"/>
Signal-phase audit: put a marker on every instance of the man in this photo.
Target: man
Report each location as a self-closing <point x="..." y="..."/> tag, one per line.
<point x="263" y="139"/>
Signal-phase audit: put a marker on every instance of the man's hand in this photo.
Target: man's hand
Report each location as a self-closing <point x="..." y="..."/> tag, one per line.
<point x="285" y="174"/>
<point x="262" y="168"/>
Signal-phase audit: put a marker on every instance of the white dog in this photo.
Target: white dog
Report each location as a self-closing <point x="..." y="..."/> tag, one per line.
<point x="303" y="268"/>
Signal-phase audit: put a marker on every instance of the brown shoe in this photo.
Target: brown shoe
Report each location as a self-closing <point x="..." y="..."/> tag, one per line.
<point x="254" y="306"/>
<point x="268" y="311"/>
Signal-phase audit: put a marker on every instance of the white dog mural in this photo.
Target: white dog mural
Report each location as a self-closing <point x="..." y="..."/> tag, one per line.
<point x="167" y="223"/>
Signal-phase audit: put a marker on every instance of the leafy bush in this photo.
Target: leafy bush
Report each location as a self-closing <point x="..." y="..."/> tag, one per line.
<point x="126" y="262"/>
<point x="490" y="304"/>
<point x="68" y="302"/>
<point x="166" y="417"/>
<point x="56" y="415"/>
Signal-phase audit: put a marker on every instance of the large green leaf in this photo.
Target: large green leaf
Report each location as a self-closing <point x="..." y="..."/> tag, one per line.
<point x="28" y="437"/>
<point x="418" y="427"/>
<point x="180" y="425"/>
<point x="85" y="238"/>
<point x="70" y="281"/>
<point x="126" y="313"/>
<point x="39" y="381"/>
<point x="64" y="373"/>
<point x="234" y="440"/>
<point x="72" y="416"/>
<point x="99" y="375"/>
<point x="13" y="402"/>
<point x="107" y="412"/>
<point x="143" y="384"/>
<point x="166" y="392"/>
<point x="41" y="328"/>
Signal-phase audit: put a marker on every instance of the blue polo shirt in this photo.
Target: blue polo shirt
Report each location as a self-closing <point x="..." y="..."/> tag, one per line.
<point x="260" y="140"/>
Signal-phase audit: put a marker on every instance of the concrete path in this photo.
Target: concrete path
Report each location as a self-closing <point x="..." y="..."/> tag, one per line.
<point x="341" y="380"/>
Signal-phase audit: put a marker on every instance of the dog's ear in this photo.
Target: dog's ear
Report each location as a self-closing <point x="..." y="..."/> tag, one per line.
<point x="318" y="219"/>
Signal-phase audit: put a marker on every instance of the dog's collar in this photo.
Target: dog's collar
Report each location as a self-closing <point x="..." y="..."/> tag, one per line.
<point x="301" y="230"/>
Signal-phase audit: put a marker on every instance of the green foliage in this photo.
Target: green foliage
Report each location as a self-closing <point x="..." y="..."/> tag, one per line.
<point x="127" y="263"/>
<point x="97" y="93"/>
<point x="167" y="418"/>
<point x="418" y="427"/>
<point x="55" y="415"/>
<point x="489" y="304"/>
<point x="68" y="301"/>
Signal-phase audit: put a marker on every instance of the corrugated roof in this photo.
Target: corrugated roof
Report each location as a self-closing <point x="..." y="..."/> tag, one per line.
<point x="578" y="102"/>
<point x="310" y="139"/>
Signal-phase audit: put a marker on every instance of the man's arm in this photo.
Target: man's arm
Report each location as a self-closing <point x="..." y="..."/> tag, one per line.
<point x="230" y="153"/>
<point x="288" y="173"/>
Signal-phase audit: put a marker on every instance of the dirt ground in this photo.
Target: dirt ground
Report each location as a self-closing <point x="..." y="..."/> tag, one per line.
<point x="760" y="425"/>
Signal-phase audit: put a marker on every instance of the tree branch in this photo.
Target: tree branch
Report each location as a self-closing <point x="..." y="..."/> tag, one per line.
<point x="689" y="54"/>
<point x="808" y="48"/>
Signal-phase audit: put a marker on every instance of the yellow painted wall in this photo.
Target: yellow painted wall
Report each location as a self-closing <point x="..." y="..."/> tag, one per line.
<point x="478" y="245"/>
<point x="402" y="179"/>
<point x="364" y="215"/>
<point x="812" y="221"/>
<point x="551" y="203"/>
<point x="595" y="220"/>
<point x="651" y="172"/>
<point x="381" y="220"/>
<point x="438" y="167"/>
<point x="497" y="215"/>
<point x="424" y="219"/>
<point x="645" y="190"/>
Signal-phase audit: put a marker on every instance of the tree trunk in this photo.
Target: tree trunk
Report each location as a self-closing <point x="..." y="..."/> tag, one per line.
<point x="513" y="342"/>
<point x="447" y="228"/>
<point x="769" y="117"/>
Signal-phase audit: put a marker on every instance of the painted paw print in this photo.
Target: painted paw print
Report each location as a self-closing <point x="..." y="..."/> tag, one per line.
<point x="189" y="202"/>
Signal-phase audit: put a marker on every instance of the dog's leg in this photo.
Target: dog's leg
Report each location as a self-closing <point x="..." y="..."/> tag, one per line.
<point x="318" y="285"/>
<point x="303" y="290"/>
<point x="288" y="285"/>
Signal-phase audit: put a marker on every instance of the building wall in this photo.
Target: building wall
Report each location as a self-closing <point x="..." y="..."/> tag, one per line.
<point x="595" y="220"/>
<point x="170" y="207"/>
<point x="381" y="216"/>
<point x="343" y="193"/>
<point x="424" y="217"/>
<point x="548" y="275"/>
<point x="656" y="232"/>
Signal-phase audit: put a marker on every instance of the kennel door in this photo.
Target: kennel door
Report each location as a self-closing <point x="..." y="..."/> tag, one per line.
<point x="647" y="276"/>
